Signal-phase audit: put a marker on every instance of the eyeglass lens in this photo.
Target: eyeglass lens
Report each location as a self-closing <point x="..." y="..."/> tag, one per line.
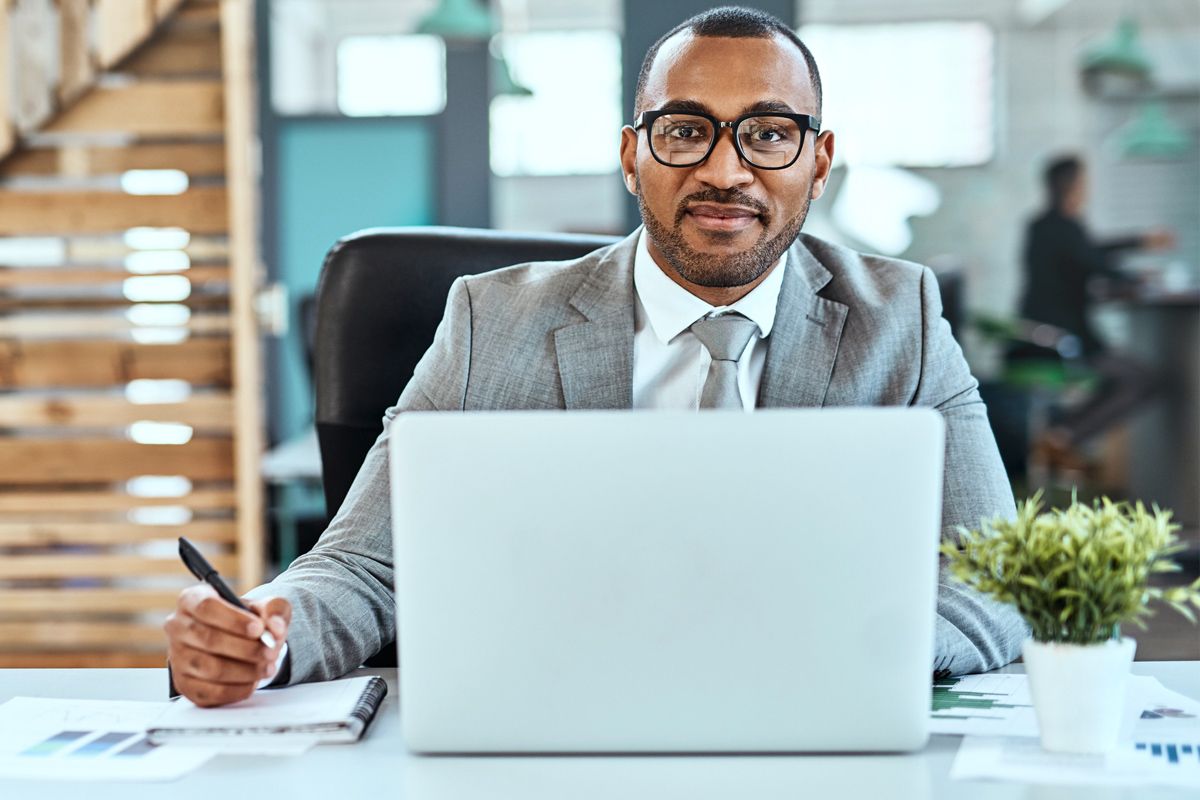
<point x="765" y="140"/>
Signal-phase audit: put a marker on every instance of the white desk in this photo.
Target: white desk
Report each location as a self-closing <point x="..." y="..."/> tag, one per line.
<point x="379" y="767"/>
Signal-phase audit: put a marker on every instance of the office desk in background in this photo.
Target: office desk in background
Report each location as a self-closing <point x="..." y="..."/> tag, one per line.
<point x="1164" y="465"/>
<point x="379" y="767"/>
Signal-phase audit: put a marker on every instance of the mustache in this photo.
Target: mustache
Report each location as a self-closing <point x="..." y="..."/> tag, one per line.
<point x="726" y="196"/>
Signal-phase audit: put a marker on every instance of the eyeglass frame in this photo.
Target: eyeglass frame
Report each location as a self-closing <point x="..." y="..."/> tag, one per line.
<point x="647" y="118"/>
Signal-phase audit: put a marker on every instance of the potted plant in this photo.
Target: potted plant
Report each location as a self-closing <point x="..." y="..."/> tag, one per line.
<point x="1075" y="575"/>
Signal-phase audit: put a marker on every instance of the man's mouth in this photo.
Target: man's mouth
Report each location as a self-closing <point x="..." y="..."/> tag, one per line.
<point x="721" y="217"/>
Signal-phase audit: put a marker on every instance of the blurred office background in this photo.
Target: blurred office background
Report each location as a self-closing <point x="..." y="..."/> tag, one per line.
<point x="337" y="115"/>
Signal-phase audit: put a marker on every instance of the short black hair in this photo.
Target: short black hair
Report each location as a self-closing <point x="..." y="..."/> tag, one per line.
<point x="733" y="22"/>
<point x="1059" y="176"/>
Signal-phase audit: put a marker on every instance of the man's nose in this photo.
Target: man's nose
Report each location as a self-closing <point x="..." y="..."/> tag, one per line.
<point x="724" y="168"/>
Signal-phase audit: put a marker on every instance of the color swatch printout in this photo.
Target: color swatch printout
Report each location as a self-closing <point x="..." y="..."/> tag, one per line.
<point x="88" y="740"/>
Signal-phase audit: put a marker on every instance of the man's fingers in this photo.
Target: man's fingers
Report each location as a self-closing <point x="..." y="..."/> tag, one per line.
<point x="203" y="603"/>
<point x="209" y="695"/>
<point x="277" y="612"/>
<point x="210" y="668"/>
<point x="193" y="633"/>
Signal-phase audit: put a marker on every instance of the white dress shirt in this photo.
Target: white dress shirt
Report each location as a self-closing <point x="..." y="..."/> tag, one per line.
<point x="273" y="679"/>
<point x="670" y="364"/>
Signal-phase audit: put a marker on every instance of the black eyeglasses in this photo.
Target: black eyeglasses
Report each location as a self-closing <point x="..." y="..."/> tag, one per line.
<point x="686" y="138"/>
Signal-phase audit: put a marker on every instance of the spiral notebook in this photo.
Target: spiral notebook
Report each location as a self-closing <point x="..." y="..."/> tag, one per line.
<point x="332" y="711"/>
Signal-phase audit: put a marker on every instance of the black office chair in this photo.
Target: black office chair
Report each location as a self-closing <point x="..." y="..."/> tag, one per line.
<point x="380" y="298"/>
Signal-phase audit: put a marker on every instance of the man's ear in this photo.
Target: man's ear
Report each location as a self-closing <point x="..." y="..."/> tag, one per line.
<point x="823" y="148"/>
<point x="629" y="143"/>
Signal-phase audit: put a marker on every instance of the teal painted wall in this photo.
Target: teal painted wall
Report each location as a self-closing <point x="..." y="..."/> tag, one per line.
<point x="336" y="176"/>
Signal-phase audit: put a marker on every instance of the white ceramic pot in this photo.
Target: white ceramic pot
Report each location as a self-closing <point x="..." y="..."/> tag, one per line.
<point x="1078" y="692"/>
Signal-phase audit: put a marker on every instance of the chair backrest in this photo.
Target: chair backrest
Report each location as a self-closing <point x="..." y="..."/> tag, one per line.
<point x="380" y="298"/>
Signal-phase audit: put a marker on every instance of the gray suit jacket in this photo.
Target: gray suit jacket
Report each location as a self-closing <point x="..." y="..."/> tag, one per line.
<point x="850" y="330"/>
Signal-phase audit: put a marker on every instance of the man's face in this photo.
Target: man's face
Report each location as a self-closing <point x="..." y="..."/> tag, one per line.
<point x="1076" y="197"/>
<point x="723" y="223"/>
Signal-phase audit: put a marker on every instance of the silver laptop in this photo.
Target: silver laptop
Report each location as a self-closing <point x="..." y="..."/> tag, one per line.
<point x="666" y="582"/>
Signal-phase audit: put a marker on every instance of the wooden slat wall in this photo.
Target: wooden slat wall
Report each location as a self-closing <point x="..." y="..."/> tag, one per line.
<point x="100" y="363"/>
<point x="121" y="25"/>
<point x="31" y="213"/>
<point x="147" y="108"/>
<point x="211" y="412"/>
<point x="99" y="276"/>
<point x="7" y="134"/>
<point x="78" y="69"/>
<point x="201" y="160"/>
<point x="88" y="568"/>
<point x="237" y="49"/>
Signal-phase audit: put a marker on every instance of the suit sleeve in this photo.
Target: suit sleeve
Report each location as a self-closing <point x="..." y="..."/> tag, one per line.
<point x="1094" y="260"/>
<point x="343" y="606"/>
<point x="973" y="632"/>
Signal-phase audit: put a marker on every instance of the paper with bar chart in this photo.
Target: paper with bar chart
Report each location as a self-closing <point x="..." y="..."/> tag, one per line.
<point x="1160" y="744"/>
<point x="1166" y="736"/>
<point x="999" y="705"/>
<point x="989" y="705"/>
<point x="88" y="740"/>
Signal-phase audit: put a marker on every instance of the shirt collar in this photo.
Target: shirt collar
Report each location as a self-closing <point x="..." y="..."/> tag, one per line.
<point x="671" y="309"/>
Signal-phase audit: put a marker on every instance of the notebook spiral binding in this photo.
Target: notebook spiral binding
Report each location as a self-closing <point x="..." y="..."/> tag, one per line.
<point x="369" y="701"/>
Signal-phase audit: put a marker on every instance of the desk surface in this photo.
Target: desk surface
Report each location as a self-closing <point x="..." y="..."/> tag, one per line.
<point x="379" y="767"/>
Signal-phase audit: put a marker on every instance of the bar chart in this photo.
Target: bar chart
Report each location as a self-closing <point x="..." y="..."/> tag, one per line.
<point x="1173" y="752"/>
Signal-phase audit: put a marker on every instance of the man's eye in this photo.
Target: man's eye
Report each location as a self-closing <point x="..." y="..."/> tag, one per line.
<point x="768" y="135"/>
<point x="685" y="132"/>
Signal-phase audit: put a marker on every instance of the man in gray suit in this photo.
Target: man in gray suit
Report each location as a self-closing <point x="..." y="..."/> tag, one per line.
<point x="718" y="302"/>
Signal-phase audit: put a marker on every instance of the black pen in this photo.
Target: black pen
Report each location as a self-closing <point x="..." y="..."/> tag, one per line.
<point x="203" y="570"/>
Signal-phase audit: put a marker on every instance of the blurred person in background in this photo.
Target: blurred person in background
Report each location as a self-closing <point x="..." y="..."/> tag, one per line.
<point x="1063" y="264"/>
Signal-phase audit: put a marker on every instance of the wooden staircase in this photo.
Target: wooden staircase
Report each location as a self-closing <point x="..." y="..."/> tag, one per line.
<point x="130" y="399"/>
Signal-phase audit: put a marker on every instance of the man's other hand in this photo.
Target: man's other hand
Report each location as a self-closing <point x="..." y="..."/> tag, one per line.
<point x="213" y="647"/>
<point x="1159" y="239"/>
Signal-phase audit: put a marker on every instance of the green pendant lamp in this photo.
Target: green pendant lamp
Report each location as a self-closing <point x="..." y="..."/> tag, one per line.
<point x="461" y="20"/>
<point x="1121" y="58"/>
<point x="1152" y="134"/>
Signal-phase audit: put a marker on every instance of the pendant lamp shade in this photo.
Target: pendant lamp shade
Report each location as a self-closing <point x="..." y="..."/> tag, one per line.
<point x="462" y="20"/>
<point x="1120" y="60"/>
<point x="1152" y="134"/>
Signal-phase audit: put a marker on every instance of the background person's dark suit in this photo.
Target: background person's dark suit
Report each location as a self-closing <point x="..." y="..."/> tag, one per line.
<point x="1061" y="265"/>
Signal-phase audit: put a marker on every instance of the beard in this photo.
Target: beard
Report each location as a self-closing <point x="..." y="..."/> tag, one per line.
<point x="720" y="271"/>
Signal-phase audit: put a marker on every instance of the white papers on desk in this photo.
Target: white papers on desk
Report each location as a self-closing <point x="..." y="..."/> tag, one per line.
<point x="1159" y="744"/>
<point x="88" y="740"/>
<point x="994" y="705"/>
<point x="1000" y="705"/>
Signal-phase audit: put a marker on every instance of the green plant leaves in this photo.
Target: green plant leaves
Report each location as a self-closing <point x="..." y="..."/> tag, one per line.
<point x="1074" y="574"/>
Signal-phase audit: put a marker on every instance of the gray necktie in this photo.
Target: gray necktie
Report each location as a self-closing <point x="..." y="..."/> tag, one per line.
<point x="726" y="338"/>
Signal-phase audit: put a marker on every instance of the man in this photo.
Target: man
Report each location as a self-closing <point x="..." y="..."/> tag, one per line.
<point x="1061" y="264"/>
<point x="724" y="157"/>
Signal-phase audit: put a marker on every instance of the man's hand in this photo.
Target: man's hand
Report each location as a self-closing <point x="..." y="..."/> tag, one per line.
<point x="1159" y="239"/>
<point x="213" y="647"/>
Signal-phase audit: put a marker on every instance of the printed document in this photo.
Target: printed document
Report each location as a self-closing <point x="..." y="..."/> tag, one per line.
<point x="1160" y="744"/>
<point x="88" y="740"/>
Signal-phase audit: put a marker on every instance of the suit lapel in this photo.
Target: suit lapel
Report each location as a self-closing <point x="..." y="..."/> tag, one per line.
<point x="595" y="357"/>
<point x="804" y="340"/>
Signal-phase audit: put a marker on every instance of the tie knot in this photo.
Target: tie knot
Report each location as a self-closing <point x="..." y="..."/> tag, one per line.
<point x="725" y="336"/>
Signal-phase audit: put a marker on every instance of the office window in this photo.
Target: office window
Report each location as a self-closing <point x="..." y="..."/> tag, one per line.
<point x="907" y="94"/>
<point x="571" y="124"/>
<point x="379" y="76"/>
